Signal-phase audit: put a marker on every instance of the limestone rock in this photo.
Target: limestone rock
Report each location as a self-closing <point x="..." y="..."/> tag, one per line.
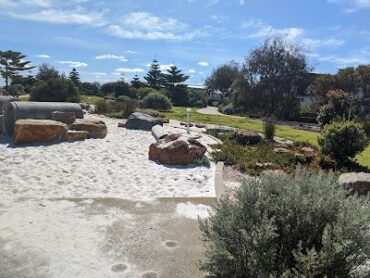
<point x="64" y="117"/>
<point x="96" y="129"/>
<point x="122" y="125"/>
<point x="308" y="150"/>
<point x="30" y="131"/>
<point x="357" y="182"/>
<point x="142" y="121"/>
<point x="176" y="150"/>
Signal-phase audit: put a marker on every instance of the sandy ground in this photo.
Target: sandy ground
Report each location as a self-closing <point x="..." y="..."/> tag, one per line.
<point x="94" y="209"/>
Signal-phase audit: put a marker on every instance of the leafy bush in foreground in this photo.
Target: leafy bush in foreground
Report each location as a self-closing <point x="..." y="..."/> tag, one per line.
<point x="283" y="227"/>
<point x="157" y="101"/>
<point x="343" y="140"/>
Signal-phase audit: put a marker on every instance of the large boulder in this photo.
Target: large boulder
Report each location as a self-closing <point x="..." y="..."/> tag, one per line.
<point x="177" y="150"/>
<point x="64" y="117"/>
<point x="142" y="121"/>
<point x="30" y="131"/>
<point x="355" y="182"/>
<point x="95" y="128"/>
<point x="246" y="137"/>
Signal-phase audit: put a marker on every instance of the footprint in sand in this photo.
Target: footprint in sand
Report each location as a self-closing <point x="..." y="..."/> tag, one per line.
<point x="170" y="243"/>
<point x="119" y="267"/>
<point x="149" y="274"/>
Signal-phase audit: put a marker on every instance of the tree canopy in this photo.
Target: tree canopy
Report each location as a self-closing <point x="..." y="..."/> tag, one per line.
<point x="154" y="77"/>
<point x="12" y="62"/>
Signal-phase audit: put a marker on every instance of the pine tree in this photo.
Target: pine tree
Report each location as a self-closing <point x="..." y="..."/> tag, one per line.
<point x="10" y="63"/>
<point x="135" y="82"/>
<point x="174" y="77"/>
<point x="175" y="84"/>
<point x="74" y="76"/>
<point x="154" y="77"/>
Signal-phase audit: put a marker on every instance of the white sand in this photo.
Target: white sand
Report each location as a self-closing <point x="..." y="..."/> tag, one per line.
<point x="116" y="166"/>
<point x="192" y="211"/>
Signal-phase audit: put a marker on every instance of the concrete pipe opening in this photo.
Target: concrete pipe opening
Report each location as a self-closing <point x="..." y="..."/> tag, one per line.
<point x="4" y="101"/>
<point x="17" y="110"/>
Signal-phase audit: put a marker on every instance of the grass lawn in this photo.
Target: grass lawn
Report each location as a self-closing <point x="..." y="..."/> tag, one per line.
<point x="179" y="113"/>
<point x="90" y="99"/>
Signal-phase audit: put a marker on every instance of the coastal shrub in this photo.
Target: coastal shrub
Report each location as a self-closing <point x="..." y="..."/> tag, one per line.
<point x="227" y="109"/>
<point x="157" y="101"/>
<point x="55" y="90"/>
<point x="343" y="140"/>
<point x="198" y="104"/>
<point x="144" y="91"/>
<point x="122" y="108"/>
<point x="150" y="112"/>
<point x="278" y="226"/>
<point x="340" y="106"/>
<point x="269" y="128"/>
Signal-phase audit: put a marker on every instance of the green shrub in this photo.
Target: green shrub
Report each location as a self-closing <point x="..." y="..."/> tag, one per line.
<point x="125" y="106"/>
<point x="55" y="90"/>
<point x="269" y="128"/>
<point x="283" y="227"/>
<point x="343" y="140"/>
<point x="341" y="106"/>
<point x="157" y="101"/>
<point x="227" y="109"/>
<point x="144" y="91"/>
<point x="150" y="112"/>
<point x="198" y="104"/>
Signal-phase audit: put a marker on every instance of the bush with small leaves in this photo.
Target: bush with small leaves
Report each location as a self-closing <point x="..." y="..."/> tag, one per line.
<point x="269" y="128"/>
<point x="157" y="101"/>
<point x="278" y="226"/>
<point x="343" y="140"/>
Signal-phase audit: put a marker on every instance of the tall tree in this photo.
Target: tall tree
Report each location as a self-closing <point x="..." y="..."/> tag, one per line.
<point x="74" y="76"/>
<point x="223" y="77"/>
<point x="174" y="77"/>
<point x="46" y="72"/>
<point x="12" y="62"/>
<point x="174" y="81"/>
<point x="154" y="77"/>
<point x="136" y="82"/>
<point x="278" y="71"/>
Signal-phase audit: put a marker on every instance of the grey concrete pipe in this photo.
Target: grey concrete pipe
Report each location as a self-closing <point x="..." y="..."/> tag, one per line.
<point x="17" y="110"/>
<point x="4" y="100"/>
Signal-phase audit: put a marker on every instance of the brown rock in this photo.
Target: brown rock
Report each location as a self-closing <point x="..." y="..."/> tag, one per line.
<point x="96" y="129"/>
<point x="74" y="135"/>
<point x="281" y="150"/>
<point x="246" y="137"/>
<point x="356" y="182"/>
<point x="176" y="150"/>
<point x="64" y="117"/>
<point x="123" y="125"/>
<point x="38" y="131"/>
<point x="165" y="120"/>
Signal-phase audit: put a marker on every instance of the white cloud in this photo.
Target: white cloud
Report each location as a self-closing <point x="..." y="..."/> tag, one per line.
<point x="203" y="64"/>
<point x="111" y="57"/>
<point x="77" y="16"/>
<point x="129" y="70"/>
<point x="73" y="64"/>
<point x="43" y="56"/>
<point x="323" y="43"/>
<point x="352" y="5"/>
<point x="99" y="73"/>
<point x="242" y="2"/>
<point x="192" y="71"/>
<point x="145" y="26"/>
<point x="130" y="52"/>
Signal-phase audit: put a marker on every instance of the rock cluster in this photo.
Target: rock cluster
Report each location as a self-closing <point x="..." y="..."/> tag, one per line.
<point x="140" y="121"/>
<point x="64" y="127"/>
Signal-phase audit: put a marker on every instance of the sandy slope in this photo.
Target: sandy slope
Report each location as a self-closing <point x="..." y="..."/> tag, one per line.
<point x="116" y="166"/>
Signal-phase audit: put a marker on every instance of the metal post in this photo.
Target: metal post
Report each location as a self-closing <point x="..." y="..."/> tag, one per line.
<point x="188" y="111"/>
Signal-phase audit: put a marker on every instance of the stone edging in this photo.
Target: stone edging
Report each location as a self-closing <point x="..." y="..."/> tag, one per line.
<point x="219" y="180"/>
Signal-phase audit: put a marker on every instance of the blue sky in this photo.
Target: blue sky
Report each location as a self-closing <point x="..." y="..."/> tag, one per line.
<point x="104" y="39"/>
